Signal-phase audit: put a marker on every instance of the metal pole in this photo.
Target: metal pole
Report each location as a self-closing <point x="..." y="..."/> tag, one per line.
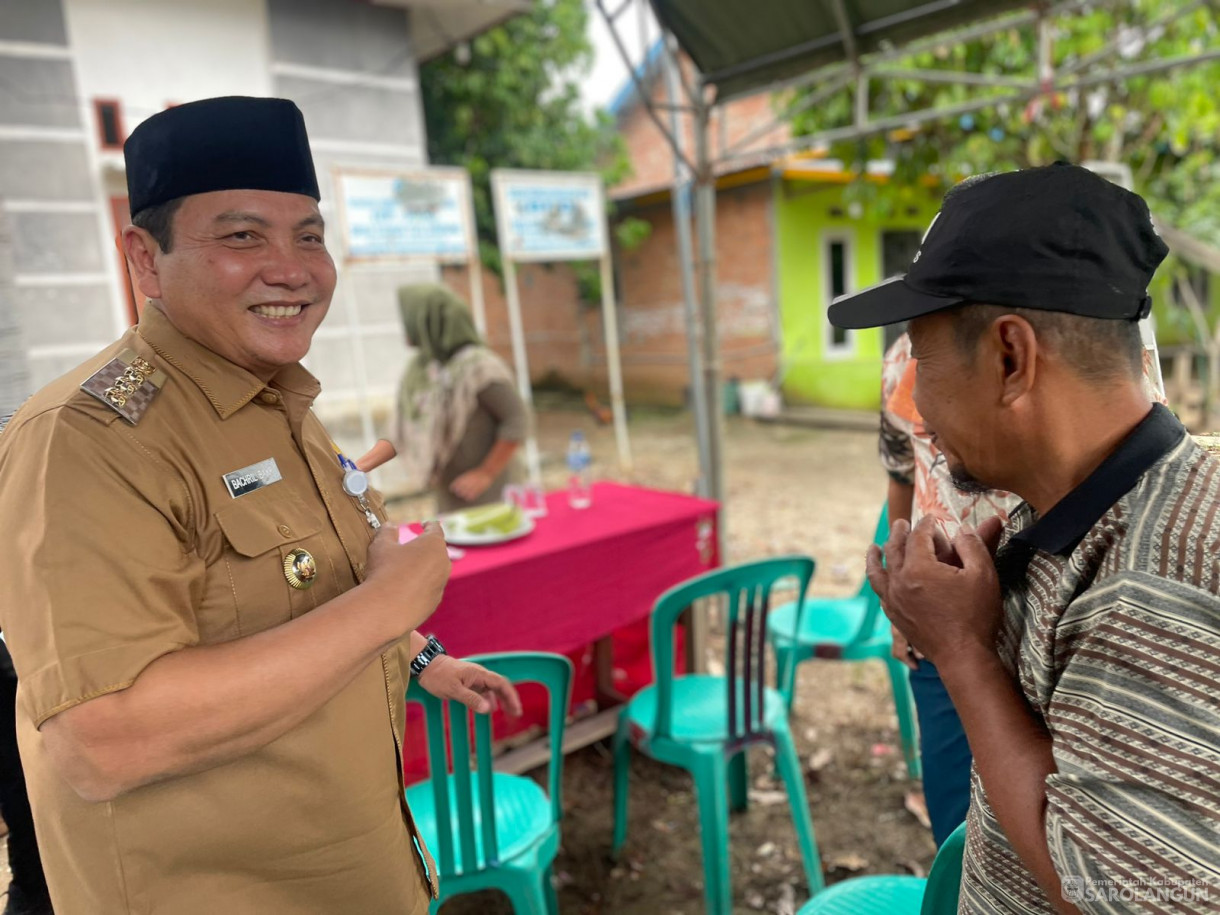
<point x="14" y="363"/>
<point x="474" y="266"/>
<point x="953" y="77"/>
<point x="355" y="339"/>
<point x="476" y="294"/>
<point x="360" y="362"/>
<point x="705" y="227"/>
<point x="686" y="261"/>
<point x="832" y="86"/>
<point x="521" y="362"/>
<point x="705" y="223"/>
<point x="635" y="79"/>
<point x="1120" y="174"/>
<point x="614" y="366"/>
<point x="862" y="100"/>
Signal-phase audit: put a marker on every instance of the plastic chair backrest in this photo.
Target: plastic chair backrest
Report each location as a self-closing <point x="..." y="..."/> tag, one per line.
<point x="869" y="621"/>
<point x="945" y="878"/>
<point x="747" y="589"/>
<point x="552" y="671"/>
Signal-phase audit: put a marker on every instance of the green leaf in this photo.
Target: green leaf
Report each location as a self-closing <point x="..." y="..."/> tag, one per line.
<point x="516" y="104"/>
<point x="1165" y="125"/>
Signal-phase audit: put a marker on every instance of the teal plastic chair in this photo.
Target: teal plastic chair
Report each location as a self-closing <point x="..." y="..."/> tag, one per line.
<point x="705" y="723"/>
<point x="845" y="629"/>
<point x="492" y="830"/>
<point x="899" y="895"/>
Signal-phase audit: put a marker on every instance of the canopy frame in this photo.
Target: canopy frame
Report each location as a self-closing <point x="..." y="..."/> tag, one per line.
<point x="918" y="27"/>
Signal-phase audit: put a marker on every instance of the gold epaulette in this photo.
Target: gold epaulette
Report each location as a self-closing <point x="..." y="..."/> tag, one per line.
<point x="127" y="384"/>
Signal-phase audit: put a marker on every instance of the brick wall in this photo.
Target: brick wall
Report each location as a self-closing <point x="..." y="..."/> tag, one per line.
<point x="652" y="322"/>
<point x="564" y="336"/>
<point x="651" y="155"/>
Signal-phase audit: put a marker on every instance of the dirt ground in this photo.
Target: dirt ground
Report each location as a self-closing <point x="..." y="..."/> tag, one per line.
<point x="789" y="490"/>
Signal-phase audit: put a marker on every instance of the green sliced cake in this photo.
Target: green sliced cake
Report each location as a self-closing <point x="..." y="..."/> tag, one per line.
<point x="497" y="518"/>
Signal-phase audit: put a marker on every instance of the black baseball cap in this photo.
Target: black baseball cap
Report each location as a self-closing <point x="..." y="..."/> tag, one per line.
<point x="1056" y="238"/>
<point x="219" y="144"/>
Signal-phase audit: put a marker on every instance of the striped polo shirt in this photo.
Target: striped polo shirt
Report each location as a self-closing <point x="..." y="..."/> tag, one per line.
<point x="1112" y="627"/>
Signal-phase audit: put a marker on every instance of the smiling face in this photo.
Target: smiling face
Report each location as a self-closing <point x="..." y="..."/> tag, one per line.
<point x="954" y="395"/>
<point x="247" y="275"/>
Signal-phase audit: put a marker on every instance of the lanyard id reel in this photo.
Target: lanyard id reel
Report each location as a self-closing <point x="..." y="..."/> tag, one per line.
<point x="356" y="485"/>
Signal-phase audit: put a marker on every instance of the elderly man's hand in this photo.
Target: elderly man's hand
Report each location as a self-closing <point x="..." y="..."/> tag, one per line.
<point x="944" y="597"/>
<point x="472" y="484"/>
<point x="474" y="686"/>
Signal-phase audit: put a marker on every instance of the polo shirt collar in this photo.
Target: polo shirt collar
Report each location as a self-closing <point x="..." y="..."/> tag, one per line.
<point x="1062" y="528"/>
<point x="227" y="386"/>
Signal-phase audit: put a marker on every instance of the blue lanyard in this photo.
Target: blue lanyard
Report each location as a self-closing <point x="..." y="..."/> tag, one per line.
<point x="344" y="461"/>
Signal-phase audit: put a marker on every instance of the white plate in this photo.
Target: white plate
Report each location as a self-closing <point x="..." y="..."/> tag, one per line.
<point x="456" y="533"/>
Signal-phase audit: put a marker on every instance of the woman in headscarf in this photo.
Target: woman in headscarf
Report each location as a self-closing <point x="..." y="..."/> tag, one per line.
<point x="460" y="419"/>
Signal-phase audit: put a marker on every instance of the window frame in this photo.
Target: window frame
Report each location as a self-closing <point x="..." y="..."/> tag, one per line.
<point x="117" y="105"/>
<point x="830" y="349"/>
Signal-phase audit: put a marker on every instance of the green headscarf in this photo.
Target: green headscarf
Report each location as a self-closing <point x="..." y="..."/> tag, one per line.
<point x="438" y="325"/>
<point x="437" y="322"/>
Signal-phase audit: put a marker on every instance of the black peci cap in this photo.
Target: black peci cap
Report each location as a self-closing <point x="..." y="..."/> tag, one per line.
<point x="219" y="144"/>
<point x="1056" y="238"/>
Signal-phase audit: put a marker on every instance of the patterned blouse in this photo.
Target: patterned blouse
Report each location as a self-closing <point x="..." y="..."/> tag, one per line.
<point x="908" y="455"/>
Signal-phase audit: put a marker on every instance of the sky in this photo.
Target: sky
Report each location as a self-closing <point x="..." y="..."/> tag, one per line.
<point x="609" y="72"/>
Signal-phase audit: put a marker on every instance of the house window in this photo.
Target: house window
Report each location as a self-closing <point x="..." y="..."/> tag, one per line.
<point x="837" y="264"/>
<point x="109" y="123"/>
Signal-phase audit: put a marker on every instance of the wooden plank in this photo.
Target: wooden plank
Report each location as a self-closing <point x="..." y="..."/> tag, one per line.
<point x="607" y="695"/>
<point x="537" y="752"/>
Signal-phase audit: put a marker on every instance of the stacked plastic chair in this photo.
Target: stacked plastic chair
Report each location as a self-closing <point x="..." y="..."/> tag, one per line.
<point x="705" y="723"/>
<point x="899" y="895"/>
<point x="845" y="629"/>
<point x="492" y="830"/>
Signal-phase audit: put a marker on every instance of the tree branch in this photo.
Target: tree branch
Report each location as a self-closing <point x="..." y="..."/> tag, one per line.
<point x="1210" y="344"/>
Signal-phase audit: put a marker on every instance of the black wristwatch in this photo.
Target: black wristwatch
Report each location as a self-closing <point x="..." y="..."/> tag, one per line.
<point x="430" y="653"/>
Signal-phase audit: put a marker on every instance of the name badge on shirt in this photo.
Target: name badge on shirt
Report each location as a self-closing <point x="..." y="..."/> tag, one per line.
<point x="256" y="476"/>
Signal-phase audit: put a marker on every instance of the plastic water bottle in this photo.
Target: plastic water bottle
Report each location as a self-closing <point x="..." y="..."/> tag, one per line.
<point x="580" y="489"/>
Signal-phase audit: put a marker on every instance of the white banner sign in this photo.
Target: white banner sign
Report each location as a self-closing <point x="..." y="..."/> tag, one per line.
<point x="549" y="216"/>
<point x="424" y="213"/>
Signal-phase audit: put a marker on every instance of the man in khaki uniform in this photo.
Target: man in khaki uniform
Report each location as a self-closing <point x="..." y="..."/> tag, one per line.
<point x="209" y="631"/>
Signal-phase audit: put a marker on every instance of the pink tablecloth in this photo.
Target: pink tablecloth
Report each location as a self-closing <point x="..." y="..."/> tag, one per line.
<point x="583" y="574"/>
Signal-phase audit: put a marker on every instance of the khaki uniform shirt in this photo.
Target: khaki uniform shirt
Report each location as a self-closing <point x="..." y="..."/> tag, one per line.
<point x="123" y="543"/>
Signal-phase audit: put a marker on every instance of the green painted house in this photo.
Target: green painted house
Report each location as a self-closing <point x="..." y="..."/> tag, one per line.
<point x="791" y="235"/>
<point x="828" y="245"/>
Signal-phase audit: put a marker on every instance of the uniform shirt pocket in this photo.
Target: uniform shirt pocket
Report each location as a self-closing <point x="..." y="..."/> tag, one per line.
<point x="270" y="545"/>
